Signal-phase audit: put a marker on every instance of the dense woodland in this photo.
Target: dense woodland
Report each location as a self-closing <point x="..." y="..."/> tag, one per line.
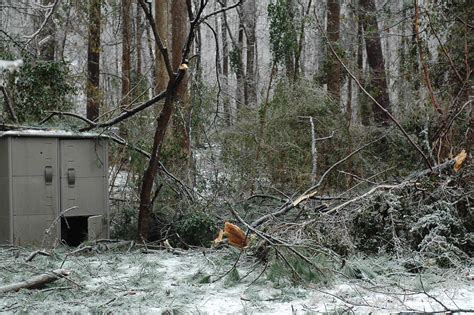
<point x="333" y="127"/>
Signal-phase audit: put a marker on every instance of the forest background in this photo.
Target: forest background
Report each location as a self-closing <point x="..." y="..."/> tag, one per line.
<point x="334" y="123"/>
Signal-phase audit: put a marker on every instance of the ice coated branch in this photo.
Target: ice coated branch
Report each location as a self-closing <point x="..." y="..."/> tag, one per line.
<point x="35" y="282"/>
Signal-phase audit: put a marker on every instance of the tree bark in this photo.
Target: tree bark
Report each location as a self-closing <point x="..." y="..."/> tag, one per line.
<point x="161" y="22"/>
<point x="126" y="43"/>
<point x="426" y="70"/>
<point x="138" y="44"/>
<point x="93" y="61"/>
<point x="152" y="168"/>
<point x="179" y="36"/>
<point x="375" y="59"/>
<point x="290" y="57"/>
<point x="179" y="32"/>
<point x="334" y="69"/>
<point x="240" y="88"/>
<point x="361" y="102"/>
<point x="249" y="11"/>
<point x="225" y="69"/>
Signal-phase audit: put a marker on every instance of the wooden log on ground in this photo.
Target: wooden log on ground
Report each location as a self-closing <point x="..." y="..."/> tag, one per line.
<point x="36" y="281"/>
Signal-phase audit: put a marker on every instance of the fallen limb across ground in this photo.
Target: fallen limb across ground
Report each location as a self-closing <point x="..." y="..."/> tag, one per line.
<point x="36" y="281"/>
<point x="310" y="192"/>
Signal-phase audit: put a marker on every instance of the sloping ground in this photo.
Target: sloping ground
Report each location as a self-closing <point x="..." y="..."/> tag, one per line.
<point x="196" y="282"/>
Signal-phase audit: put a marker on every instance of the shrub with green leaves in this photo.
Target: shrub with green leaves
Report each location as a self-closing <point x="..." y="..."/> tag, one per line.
<point x="196" y="228"/>
<point x="40" y="86"/>
<point x="273" y="143"/>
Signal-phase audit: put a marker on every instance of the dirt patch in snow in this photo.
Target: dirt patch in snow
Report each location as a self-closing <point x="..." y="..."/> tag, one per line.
<point x="199" y="282"/>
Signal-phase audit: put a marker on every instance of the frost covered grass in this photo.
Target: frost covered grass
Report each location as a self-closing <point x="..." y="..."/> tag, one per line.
<point x="205" y="282"/>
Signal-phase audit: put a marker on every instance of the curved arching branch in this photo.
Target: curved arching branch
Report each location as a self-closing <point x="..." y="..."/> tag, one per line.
<point x="126" y="114"/>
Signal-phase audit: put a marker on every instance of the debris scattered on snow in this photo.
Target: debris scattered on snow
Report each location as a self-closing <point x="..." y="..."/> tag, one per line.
<point x="121" y="282"/>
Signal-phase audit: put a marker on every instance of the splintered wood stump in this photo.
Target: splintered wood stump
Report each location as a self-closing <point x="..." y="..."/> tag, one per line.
<point x="36" y="282"/>
<point x="234" y="236"/>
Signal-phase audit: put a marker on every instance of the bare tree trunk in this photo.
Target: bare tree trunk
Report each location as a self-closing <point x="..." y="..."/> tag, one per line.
<point x="240" y="89"/>
<point x="179" y="31"/>
<point x="249" y="11"/>
<point x="93" y="61"/>
<point x="375" y="59"/>
<point x="152" y="168"/>
<point x="426" y="71"/>
<point x="126" y="43"/>
<point x="126" y="62"/>
<point x="161" y="22"/>
<point x="334" y="69"/>
<point x="290" y="58"/>
<point x="361" y="103"/>
<point x="138" y="44"/>
<point x="299" y="68"/>
<point x="153" y="55"/>
<point x="62" y="43"/>
<point x="225" y="69"/>
<point x="146" y="200"/>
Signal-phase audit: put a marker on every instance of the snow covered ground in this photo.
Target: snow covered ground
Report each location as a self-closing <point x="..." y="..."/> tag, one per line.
<point x="198" y="282"/>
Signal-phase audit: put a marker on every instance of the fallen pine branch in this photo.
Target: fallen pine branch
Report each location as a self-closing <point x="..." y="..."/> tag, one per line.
<point x="410" y="180"/>
<point x="275" y="242"/>
<point x="312" y="191"/>
<point x="36" y="282"/>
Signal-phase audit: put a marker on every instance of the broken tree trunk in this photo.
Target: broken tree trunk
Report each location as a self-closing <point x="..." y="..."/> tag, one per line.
<point x="36" y="282"/>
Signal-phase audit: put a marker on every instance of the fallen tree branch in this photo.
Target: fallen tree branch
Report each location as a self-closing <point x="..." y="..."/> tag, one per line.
<point x="310" y="192"/>
<point x="411" y="178"/>
<point x="36" y="282"/>
<point x="58" y="113"/>
<point x="274" y="241"/>
<point x="36" y="253"/>
<point x="437" y="169"/>
<point x="126" y="114"/>
<point x="370" y="192"/>
<point x="6" y="127"/>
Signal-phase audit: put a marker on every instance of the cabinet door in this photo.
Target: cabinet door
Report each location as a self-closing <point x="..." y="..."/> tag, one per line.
<point x="83" y="177"/>
<point x="34" y="189"/>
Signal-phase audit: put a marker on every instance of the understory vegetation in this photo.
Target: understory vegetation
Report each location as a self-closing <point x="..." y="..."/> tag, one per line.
<point x="337" y="136"/>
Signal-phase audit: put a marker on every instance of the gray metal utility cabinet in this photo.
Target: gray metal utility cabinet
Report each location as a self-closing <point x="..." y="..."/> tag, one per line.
<point x="53" y="186"/>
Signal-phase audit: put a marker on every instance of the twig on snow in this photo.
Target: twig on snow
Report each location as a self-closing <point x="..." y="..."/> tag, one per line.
<point x="36" y="253"/>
